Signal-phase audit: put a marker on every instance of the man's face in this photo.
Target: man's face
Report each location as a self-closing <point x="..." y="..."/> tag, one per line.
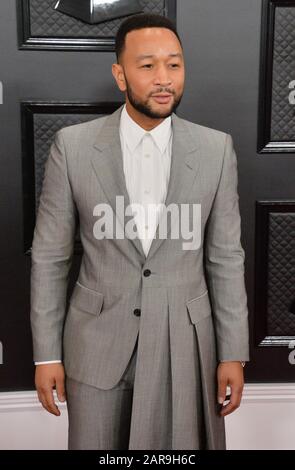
<point x="152" y="64"/>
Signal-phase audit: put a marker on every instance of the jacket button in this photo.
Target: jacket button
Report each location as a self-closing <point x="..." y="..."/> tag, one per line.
<point x="137" y="312"/>
<point x="146" y="272"/>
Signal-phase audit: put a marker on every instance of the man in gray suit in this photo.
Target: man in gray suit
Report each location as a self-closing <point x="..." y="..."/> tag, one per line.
<point x="157" y="327"/>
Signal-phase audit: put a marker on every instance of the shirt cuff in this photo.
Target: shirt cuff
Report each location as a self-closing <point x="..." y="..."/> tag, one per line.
<point x="242" y="362"/>
<point x="48" y="362"/>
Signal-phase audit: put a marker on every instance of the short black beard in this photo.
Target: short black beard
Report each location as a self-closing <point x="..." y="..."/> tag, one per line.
<point x="144" y="108"/>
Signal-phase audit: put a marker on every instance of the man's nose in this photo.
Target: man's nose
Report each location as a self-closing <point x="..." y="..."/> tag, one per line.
<point x="162" y="76"/>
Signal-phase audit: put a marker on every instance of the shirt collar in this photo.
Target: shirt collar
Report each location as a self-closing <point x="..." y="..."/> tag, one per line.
<point x="133" y="133"/>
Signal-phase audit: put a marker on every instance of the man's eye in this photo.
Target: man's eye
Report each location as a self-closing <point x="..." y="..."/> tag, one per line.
<point x="174" y="65"/>
<point x="147" y="65"/>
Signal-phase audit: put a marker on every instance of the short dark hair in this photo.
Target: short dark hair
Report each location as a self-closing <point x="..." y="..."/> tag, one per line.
<point x="140" y="21"/>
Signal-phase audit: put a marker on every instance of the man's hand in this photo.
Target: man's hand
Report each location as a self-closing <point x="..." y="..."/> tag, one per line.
<point x="230" y="373"/>
<point x="48" y="377"/>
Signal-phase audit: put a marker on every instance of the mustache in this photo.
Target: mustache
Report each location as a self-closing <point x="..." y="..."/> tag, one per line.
<point x="163" y="90"/>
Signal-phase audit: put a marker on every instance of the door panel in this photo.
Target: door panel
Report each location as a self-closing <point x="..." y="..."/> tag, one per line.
<point x="222" y="40"/>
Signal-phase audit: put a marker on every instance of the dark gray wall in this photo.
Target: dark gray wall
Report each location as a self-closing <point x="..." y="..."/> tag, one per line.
<point x="222" y="42"/>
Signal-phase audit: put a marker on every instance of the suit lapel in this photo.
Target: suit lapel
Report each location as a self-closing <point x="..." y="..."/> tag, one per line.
<point x="108" y="166"/>
<point x="184" y="167"/>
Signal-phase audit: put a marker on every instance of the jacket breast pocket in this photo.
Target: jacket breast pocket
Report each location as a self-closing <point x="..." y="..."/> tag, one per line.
<point x="199" y="307"/>
<point x="86" y="300"/>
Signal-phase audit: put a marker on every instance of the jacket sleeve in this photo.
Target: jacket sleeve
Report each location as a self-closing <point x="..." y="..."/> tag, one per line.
<point x="52" y="251"/>
<point x="224" y="264"/>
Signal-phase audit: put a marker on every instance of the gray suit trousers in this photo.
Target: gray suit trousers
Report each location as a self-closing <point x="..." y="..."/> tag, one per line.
<point x="100" y="419"/>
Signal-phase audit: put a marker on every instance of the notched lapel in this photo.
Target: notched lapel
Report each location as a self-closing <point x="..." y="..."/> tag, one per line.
<point x="108" y="166"/>
<point x="185" y="161"/>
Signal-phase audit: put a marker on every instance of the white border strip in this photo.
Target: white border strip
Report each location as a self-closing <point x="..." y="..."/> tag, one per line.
<point x="23" y="401"/>
<point x="268" y="392"/>
<point x="253" y="393"/>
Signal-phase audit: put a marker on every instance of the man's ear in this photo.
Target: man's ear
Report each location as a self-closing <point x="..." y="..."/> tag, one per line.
<point x="118" y="74"/>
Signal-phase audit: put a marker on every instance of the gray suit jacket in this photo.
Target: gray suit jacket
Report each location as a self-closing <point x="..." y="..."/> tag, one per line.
<point x="95" y="338"/>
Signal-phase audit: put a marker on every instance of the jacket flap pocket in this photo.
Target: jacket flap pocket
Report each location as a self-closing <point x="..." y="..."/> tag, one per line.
<point x="87" y="299"/>
<point x="199" y="307"/>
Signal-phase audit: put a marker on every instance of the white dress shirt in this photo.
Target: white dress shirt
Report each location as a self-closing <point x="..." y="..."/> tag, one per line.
<point x="146" y="163"/>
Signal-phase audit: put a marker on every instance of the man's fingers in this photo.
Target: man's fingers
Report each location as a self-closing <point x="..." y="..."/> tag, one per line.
<point x="60" y="389"/>
<point x="47" y="400"/>
<point x="234" y="403"/>
<point x="221" y="391"/>
<point x="48" y="377"/>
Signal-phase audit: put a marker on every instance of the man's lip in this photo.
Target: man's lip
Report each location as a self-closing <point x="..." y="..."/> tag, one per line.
<point x="162" y="99"/>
